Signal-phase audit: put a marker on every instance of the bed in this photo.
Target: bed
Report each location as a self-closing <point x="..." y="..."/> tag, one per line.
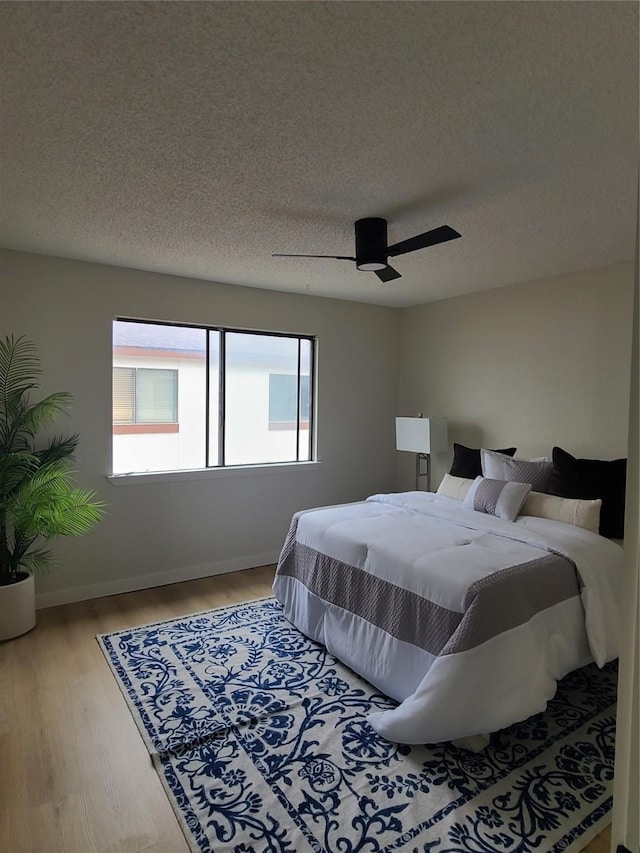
<point x="466" y="619"/>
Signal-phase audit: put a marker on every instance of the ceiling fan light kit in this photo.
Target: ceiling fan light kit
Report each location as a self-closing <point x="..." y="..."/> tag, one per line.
<point x="371" y="266"/>
<point x="371" y="244"/>
<point x="372" y="250"/>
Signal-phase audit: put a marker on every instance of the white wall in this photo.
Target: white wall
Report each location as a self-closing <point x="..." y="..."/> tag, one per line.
<point x="626" y="792"/>
<point x="191" y="527"/>
<point x="531" y="365"/>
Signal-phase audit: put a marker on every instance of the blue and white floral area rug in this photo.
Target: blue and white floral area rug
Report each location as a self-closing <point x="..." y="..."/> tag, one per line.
<point x="261" y="740"/>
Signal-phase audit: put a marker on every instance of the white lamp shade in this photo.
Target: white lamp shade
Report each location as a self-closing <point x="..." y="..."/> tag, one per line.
<point x="421" y="435"/>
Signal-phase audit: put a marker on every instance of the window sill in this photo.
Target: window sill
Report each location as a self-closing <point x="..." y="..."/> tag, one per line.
<point x="209" y="473"/>
<point x="145" y="429"/>
<point x="274" y="426"/>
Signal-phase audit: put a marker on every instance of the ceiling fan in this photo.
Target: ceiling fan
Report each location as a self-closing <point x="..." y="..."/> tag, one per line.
<point x="372" y="250"/>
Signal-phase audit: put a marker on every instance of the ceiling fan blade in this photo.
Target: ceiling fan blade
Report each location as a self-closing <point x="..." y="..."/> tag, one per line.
<point x="335" y="257"/>
<point x="387" y="274"/>
<point x="421" y="241"/>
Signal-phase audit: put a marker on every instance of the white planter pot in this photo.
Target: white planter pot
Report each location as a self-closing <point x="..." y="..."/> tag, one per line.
<point x="17" y="608"/>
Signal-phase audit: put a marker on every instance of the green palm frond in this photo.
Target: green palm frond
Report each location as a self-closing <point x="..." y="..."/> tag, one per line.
<point x="18" y="460"/>
<point x="20" y="544"/>
<point x="45" y="485"/>
<point x="49" y="504"/>
<point x="74" y="514"/>
<point x="19" y="374"/>
<point x="11" y="437"/>
<point x="59" y="448"/>
<point x="19" y="370"/>
<point x="14" y="468"/>
<point x="45" y="412"/>
<point x="39" y="560"/>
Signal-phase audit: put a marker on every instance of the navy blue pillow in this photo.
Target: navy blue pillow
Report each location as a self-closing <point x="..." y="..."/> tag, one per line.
<point x="590" y="479"/>
<point x="467" y="462"/>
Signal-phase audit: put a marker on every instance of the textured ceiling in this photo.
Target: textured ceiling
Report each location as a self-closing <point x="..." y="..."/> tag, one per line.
<point x="198" y="138"/>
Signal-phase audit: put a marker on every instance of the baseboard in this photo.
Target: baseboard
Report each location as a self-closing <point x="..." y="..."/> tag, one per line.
<point x="622" y="849"/>
<point x="137" y="582"/>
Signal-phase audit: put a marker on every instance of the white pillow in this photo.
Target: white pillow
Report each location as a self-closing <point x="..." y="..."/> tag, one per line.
<point x="496" y="497"/>
<point x="498" y="466"/>
<point x="454" y="487"/>
<point x="580" y="513"/>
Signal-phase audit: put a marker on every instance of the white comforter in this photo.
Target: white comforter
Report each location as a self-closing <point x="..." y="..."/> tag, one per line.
<point x="434" y="547"/>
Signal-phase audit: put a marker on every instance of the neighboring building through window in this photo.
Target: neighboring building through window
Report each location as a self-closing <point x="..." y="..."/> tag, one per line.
<point x="189" y="397"/>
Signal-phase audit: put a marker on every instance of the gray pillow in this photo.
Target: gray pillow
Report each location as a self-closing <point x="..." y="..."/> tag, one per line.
<point x="496" y="497"/>
<point x="536" y="472"/>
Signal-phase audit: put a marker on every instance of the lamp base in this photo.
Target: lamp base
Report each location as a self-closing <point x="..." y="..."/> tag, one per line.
<point x="420" y="457"/>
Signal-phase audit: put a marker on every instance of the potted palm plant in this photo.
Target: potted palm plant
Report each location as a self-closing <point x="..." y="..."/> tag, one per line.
<point x="39" y="499"/>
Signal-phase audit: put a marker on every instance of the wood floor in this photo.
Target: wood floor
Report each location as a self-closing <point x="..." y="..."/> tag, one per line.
<point x="75" y="776"/>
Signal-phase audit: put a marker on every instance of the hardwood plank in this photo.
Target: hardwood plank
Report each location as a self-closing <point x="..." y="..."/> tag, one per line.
<point x="74" y="772"/>
<point x="601" y="844"/>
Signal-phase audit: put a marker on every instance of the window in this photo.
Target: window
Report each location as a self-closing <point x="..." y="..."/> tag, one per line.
<point x="283" y="400"/>
<point x="143" y="395"/>
<point x="187" y="397"/>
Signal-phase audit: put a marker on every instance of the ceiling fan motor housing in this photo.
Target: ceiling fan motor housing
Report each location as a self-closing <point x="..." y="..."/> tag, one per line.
<point x="371" y="244"/>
